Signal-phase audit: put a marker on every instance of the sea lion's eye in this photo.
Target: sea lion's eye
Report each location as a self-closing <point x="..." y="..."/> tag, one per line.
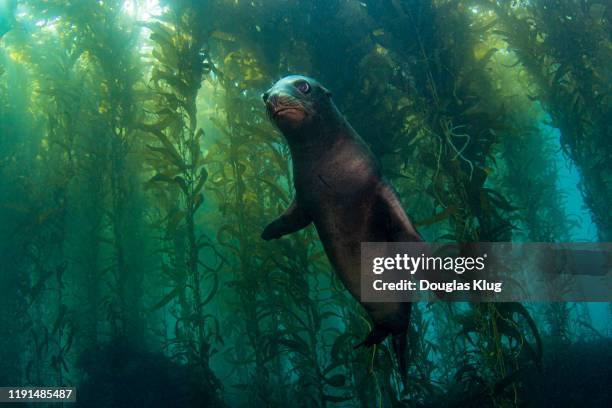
<point x="303" y="86"/>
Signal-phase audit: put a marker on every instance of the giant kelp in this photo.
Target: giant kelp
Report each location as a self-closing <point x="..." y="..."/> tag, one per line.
<point x="40" y="230"/>
<point x="179" y="177"/>
<point x="565" y="47"/>
<point x="455" y="125"/>
<point x="105" y="47"/>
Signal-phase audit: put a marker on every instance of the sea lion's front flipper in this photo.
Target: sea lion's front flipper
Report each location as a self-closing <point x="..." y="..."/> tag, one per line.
<point x="292" y="220"/>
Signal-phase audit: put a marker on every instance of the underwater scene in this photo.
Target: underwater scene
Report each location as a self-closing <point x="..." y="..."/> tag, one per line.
<point x="165" y="240"/>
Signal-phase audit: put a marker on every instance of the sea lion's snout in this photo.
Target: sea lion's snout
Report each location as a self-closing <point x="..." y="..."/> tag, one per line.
<point x="289" y="102"/>
<point x="284" y="108"/>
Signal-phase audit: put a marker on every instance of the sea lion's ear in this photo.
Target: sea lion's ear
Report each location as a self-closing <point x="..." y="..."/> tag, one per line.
<point x="326" y="91"/>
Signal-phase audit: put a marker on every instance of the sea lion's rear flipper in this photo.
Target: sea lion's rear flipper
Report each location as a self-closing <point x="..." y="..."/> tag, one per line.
<point x="292" y="220"/>
<point x="398" y="225"/>
<point x="376" y="336"/>
<point x="399" y="342"/>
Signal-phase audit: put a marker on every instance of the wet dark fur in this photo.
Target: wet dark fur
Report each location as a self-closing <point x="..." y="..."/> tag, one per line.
<point x="340" y="189"/>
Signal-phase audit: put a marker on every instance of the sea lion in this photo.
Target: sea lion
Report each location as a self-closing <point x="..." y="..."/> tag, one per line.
<point x="339" y="188"/>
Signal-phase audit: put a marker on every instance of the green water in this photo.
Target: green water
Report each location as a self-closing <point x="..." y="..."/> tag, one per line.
<point x="138" y="170"/>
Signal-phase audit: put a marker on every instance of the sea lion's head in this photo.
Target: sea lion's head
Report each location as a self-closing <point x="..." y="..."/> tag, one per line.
<point x="296" y="102"/>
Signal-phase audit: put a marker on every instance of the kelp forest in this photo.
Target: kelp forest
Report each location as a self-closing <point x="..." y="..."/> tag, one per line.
<point x="138" y="169"/>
